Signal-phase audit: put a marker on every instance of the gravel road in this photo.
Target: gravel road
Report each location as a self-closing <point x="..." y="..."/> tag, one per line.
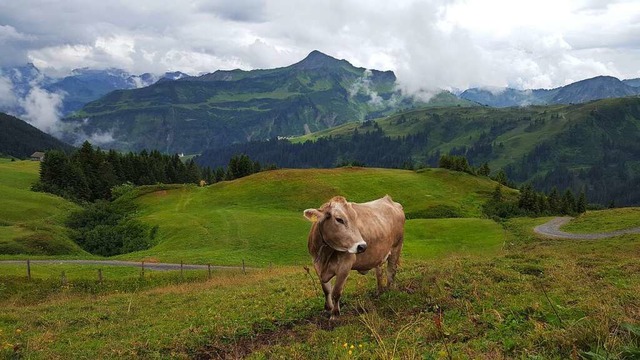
<point x="552" y="229"/>
<point x="147" y="265"/>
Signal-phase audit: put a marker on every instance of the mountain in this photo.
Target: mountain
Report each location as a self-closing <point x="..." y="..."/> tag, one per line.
<point x="233" y="106"/>
<point x="632" y="82"/>
<point x="76" y="89"/>
<point x="600" y="87"/>
<point x="20" y="139"/>
<point x="593" y="146"/>
<point x="85" y="85"/>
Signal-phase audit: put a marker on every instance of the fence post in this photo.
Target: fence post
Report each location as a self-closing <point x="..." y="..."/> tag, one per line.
<point x="243" y="268"/>
<point x="28" y="269"/>
<point x="181" y="265"/>
<point x="142" y="272"/>
<point x="209" y="268"/>
<point x="100" y="276"/>
<point x="63" y="279"/>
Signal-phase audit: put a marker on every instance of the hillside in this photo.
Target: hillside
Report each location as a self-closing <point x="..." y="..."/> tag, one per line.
<point x="600" y="87"/>
<point x="31" y="222"/>
<point x="19" y="139"/>
<point x="592" y="146"/>
<point x="227" y="222"/>
<point x="225" y="107"/>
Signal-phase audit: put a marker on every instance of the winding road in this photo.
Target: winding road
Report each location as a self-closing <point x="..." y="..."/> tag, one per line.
<point x="147" y="265"/>
<point x="552" y="229"/>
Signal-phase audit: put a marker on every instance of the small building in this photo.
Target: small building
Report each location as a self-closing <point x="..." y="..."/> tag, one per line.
<point x="37" y="156"/>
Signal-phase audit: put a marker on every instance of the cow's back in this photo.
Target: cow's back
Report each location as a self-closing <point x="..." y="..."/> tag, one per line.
<point x="381" y="223"/>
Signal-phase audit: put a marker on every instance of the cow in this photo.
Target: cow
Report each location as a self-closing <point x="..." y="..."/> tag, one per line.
<point x="348" y="236"/>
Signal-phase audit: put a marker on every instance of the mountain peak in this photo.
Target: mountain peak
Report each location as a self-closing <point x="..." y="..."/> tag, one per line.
<point x="317" y="59"/>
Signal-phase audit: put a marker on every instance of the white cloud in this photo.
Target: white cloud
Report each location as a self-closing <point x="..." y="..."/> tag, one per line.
<point x="429" y="44"/>
<point x="42" y="110"/>
<point x="7" y="95"/>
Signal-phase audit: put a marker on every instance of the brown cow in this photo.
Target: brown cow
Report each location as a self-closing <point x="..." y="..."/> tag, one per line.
<point x="349" y="236"/>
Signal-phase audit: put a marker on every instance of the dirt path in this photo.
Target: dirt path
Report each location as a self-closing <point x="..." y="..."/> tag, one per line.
<point x="552" y="229"/>
<point x="147" y="265"/>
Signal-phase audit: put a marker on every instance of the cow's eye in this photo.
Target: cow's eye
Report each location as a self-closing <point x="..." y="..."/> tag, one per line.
<point x="340" y="220"/>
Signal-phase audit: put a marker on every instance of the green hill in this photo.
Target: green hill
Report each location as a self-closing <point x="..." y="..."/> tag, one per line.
<point x="31" y="222"/>
<point x="20" y="140"/>
<point x="225" y="107"/>
<point x="259" y="218"/>
<point x="593" y="146"/>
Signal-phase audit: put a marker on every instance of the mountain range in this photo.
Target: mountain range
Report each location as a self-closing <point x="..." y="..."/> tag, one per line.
<point x="78" y="88"/>
<point x="600" y="87"/>
<point x="225" y="107"/>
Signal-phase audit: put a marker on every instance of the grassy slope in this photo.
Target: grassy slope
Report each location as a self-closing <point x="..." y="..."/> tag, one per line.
<point x="31" y="222"/>
<point x="604" y="221"/>
<point x="531" y="299"/>
<point x="259" y="218"/>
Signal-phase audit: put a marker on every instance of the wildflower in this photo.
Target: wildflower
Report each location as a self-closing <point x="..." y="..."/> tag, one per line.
<point x="344" y="345"/>
<point x="350" y="352"/>
<point x="18" y="331"/>
<point x="360" y="346"/>
<point x="352" y="346"/>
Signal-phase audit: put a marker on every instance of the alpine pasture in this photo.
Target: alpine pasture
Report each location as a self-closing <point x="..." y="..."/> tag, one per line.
<point x="468" y="287"/>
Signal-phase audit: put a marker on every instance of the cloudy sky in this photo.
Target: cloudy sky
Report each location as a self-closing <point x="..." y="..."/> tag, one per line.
<point x="429" y="44"/>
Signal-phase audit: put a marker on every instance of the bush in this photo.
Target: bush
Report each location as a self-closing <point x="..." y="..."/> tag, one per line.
<point x="106" y="228"/>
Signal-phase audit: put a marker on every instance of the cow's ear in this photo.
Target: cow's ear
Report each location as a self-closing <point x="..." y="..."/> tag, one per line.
<point x="313" y="214"/>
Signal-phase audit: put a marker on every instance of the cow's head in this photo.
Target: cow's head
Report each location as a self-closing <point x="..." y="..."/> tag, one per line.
<point x="336" y="223"/>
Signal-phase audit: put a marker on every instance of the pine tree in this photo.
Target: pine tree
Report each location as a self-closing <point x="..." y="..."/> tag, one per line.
<point x="554" y="201"/>
<point x="568" y="203"/>
<point x="484" y="170"/>
<point x="501" y="177"/>
<point x="581" y="204"/>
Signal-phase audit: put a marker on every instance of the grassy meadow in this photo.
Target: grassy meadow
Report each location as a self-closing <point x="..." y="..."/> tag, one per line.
<point x="259" y="218"/>
<point x="528" y="298"/>
<point x="468" y="287"/>
<point x="31" y="222"/>
<point x="605" y="221"/>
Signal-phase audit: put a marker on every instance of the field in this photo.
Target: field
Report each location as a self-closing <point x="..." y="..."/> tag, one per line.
<point x="31" y="222"/>
<point x="605" y="221"/>
<point x="225" y="223"/>
<point x="468" y="287"/>
<point x="527" y="298"/>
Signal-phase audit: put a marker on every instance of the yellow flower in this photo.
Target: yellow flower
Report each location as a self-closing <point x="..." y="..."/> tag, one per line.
<point x="344" y="345"/>
<point x="349" y="352"/>
<point x="352" y="346"/>
<point x="360" y="345"/>
<point x="18" y="331"/>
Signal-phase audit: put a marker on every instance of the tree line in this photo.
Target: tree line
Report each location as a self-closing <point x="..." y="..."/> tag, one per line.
<point x="89" y="174"/>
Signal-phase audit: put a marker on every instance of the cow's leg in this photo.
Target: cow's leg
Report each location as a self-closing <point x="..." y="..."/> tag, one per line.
<point x="341" y="279"/>
<point x="380" y="279"/>
<point x="328" y="301"/>
<point x="392" y="264"/>
<point x="325" y="281"/>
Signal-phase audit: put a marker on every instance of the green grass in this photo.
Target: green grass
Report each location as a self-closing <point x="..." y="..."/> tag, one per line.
<point x="529" y="299"/>
<point x="259" y="218"/>
<point x="31" y="222"/>
<point x="604" y="221"/>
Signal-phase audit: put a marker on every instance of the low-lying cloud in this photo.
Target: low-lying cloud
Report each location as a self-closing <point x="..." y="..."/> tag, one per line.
<point x="42" y="110"/>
